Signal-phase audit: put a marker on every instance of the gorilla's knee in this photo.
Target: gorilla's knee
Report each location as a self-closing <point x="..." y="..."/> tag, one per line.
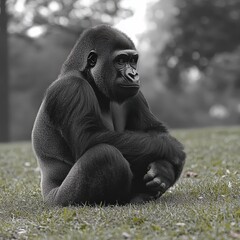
<point x="107" y="175"/>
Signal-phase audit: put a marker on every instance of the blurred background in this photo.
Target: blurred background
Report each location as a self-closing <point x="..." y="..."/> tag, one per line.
<point x="189" y="56"/>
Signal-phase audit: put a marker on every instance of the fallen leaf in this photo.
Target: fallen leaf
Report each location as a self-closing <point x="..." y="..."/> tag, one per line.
<point x="126" y="235"/>
<point x="235" y="234"/>
<point x="22" y="231"/>
<point x="190" y="174"/>
<point x="180" y="224"/>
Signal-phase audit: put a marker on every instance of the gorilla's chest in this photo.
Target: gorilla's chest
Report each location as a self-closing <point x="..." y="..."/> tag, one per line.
<point x="115" y="118"/>
<point x="107" y="120"/>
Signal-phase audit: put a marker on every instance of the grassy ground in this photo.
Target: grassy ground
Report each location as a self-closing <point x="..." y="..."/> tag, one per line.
<point x="206" y="206"/>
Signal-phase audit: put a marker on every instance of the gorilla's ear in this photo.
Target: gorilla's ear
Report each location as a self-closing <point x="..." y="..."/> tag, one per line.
<point x="92" y="59"/>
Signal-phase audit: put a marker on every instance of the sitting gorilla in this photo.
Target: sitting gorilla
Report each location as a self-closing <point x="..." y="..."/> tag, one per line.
<point x="94" y="137"/>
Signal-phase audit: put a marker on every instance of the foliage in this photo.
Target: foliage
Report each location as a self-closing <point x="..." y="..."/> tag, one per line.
<point x="202" y="29"/>
<point x="71" y="15"/>
<point x="198" y="30"/>
<point x="223" y="73"/>
<point x="203" y="205"/>
<point x="195" y="108"/>
<point x="35" y="65"/>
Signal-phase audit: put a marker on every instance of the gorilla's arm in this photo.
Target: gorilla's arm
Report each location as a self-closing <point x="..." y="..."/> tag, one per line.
<point x="73" y="108"/>
<point x="164" y="172"/>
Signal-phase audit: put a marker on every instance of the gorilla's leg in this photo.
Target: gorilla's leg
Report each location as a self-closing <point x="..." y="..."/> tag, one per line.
<point x="102" y="174"/>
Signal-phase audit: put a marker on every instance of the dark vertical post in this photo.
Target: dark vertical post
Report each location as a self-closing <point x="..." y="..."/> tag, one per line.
<point x="4" y="101"/>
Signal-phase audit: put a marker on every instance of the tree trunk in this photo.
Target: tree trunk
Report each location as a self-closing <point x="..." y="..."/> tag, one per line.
<point x="4" y="101"/>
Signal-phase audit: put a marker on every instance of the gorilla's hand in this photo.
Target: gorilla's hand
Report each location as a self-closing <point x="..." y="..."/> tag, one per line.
<point x="160" y="176"/>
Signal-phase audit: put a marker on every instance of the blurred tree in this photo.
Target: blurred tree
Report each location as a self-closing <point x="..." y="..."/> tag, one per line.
<point x="223" y="73"/>
<point x="70" y="15"/>
<point x="4" y="118"/>
<point x="35" y="64"/>
<point x="199" y="30"/>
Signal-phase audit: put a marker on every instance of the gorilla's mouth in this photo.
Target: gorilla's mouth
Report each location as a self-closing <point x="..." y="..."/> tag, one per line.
<point x="124" y="82"/>
<point x="129" y="85"/>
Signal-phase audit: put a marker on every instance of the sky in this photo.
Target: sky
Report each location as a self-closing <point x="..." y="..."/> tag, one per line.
<point x="136" y="24"/>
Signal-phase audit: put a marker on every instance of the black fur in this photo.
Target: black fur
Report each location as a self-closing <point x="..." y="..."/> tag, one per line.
<point x="81" y="159"/>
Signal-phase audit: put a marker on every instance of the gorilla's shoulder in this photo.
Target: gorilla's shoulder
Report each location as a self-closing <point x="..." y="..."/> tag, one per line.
<point x="68" y="96"/>
<point x="70" y="85"/>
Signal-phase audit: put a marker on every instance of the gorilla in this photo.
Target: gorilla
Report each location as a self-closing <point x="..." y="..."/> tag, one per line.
<point x="95" y="138"/>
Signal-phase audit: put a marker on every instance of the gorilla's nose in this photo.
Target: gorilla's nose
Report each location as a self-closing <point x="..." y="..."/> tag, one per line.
<point x="132" y="75"/>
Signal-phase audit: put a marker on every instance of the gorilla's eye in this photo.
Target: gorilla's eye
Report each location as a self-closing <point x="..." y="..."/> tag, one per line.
<point x="121" y="59"/>
<point x="134" y="61"/>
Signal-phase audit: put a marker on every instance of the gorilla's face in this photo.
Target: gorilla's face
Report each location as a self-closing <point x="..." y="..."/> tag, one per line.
<point x="116" y="74"/>
<point x="127" y="78"/>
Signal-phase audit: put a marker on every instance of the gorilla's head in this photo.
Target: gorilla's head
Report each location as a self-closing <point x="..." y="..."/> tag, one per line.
<point x="108" y="57"/>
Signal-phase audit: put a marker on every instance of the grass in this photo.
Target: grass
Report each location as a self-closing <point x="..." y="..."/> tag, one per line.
<point x="206" y="206"/>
